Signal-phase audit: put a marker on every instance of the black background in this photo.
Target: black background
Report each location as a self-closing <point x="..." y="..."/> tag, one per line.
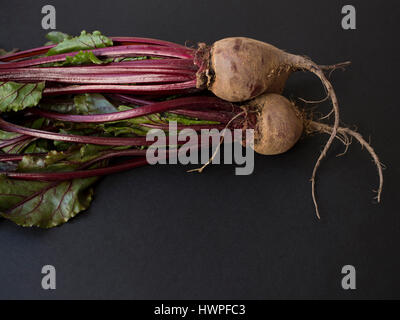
<point x="161" y="233"/>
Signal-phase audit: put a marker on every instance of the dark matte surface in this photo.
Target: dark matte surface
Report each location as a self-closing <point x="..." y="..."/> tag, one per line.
<point x="159" y="232"/>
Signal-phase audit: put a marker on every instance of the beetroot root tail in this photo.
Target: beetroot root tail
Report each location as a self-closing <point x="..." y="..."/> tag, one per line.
<point x="333" y="67"/>
<point x="343" y="135"/>
<point x="300" y="62"/>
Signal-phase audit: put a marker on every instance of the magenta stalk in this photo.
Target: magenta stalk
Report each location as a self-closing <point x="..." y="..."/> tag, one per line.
<point x="113" y="77"/>
<point x="117" y="41"/>
<point x="88" y="173"/>
<point x="110" y="52"/>
<point x="158" y="107"/>
<point x="79" y="174"/>
<point x="16" y="140"/>
<point x="156" y="89"/>
<point x="104" y="141"/>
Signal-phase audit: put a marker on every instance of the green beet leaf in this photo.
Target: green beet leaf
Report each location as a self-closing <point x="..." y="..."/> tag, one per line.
<point x="56" y="37"/>
<point x="18" y="96"/>
<point x="86" y="41"/>
<point x="5" y="135"/>
<point x="16" y="147"/>
<point x="44" y="204"/>
<point x="83" y="57"/>
<point x="93" y="103"/>
<point x="83" y="104"/>
<point x="47" y="204"/>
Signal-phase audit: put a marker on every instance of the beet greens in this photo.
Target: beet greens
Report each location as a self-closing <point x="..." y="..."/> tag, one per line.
<point x="72" y="109"/>
<point x="67" y="115"/>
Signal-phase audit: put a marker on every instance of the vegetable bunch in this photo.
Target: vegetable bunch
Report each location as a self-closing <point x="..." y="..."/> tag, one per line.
<point x="73" y="110"/>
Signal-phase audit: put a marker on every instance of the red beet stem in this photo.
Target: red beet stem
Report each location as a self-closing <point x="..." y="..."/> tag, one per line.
<point x="25" y="53"/>
<point x="220" y="116"/>
<point x="166" y="63"/>
<point x="114" y="154"/>
<point x="104" y="141"/>
<point x="10" y="142"/>
<point x="110" y="77"/>
<point x="119" y="51"/>
<point x="117" y="41"/>
<point x="136" y="40"/>
<point x="119" y="68"/>
<point x="156" y="89"/>
<point x="130" y="99"/>
<point x="196" y="127"/>
<point x="158" y="107"/>
<point x="218" y="105"/>
<point x="79" y="174"/>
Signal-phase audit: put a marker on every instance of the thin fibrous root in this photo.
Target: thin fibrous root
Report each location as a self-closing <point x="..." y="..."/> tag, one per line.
<point x="330" y="68"/>
<point x="314" y="101"/>
<point x="306" y="64"/>
<point x="343" y="135"/>
<point x="333" y="67"/>
<point x="200" y="170"/>
<point x="327" y="116"/>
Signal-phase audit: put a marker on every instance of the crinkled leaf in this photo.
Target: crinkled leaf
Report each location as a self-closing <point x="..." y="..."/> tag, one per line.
<point x="18" y="96"/>
<point x="56" y="37"/>
<point x="58" y="161"/>
<point x="38" y="146"/>
<point x="44" y="204"/>
<point x="58" y="105"/>
<point x="85" y="41"/>
<point x="5" y="135"/>
<point x="47" y="204"/>
<point x="53" y="161"/>
<point x="93" y="103"/>
<point x="82" y="104"/>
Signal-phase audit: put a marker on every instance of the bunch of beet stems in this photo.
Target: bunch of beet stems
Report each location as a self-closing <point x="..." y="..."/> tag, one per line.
<point x="171" y="69"/>
<point x="199" y="107"/>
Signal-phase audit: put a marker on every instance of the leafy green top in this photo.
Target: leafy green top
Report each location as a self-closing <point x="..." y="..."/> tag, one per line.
<point x="85" y="41"/>
<point x="56" y="37"/>
<point x="44" y="204"/>
<point x="18" y="96"/>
